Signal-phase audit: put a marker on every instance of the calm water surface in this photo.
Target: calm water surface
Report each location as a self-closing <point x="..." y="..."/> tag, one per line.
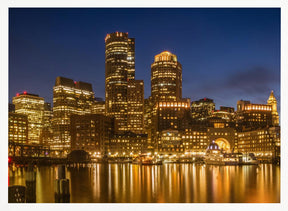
<point x="165" y="183"/>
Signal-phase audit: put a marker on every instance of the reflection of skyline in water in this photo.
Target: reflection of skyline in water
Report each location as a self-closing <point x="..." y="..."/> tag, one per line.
<point x="159" y="184"/>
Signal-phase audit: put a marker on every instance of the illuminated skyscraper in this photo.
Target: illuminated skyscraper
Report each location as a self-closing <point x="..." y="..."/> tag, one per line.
<point x="135" y="115"/>
<point x="69" y="98"/>
<point x="273" y="102"/>
<point x="33" y="106"/>
<point x="131" y="59"/>
<point x="119" y="69"/>
<point x="166" y="78"/>
<point x="47" y="134"/>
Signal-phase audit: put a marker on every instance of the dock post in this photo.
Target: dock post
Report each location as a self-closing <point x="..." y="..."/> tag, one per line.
<point x="61" y="186"/>
<point x="30" y="179"/>
<point x="16" y="194"/>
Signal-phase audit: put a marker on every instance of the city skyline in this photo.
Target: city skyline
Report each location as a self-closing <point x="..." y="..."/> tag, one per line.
<point x="260" y="74"/>
<point x="190" y="110"/>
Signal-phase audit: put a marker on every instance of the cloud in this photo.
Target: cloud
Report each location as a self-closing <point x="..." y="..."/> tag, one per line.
<point x="253" y="81"/>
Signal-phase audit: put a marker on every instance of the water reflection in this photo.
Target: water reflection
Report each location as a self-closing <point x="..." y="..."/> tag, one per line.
<point x="166" y="183"/>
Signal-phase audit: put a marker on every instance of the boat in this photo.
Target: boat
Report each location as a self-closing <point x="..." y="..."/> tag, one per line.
<point x="249" y="159"/>
<point x="147" y="161"/>
<point x="215" y="156"/>
<point x="137" y="161"/>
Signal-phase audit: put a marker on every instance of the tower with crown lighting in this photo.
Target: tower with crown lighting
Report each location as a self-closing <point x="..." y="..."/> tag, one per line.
<point x="273" y="102"/>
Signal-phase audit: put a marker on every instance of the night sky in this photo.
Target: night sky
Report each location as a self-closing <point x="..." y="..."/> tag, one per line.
<point x="226" y="54"/>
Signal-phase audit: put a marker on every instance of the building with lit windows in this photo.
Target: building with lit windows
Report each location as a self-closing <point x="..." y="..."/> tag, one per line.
<point x="264" y="143"/>
<point x="47" y="133"/>
<point x="273" y="103"/>
<point x="135" y="107"/>
<point x="33" y="106"/>
<point x="18" y="128"/>
<point x="195" y="141"/>
<point x="91" y="133"/>
<point x="225" y="137"/>
<point x="166" y="78"/>
<point x="98" y="107"/>
<point x="119" y="69"/>
<point x="168" y="142"/>
<point x="202" y="109"/>
<point x="131" y="59"/>
<point x="253" y="116"/>
<point x="171" y="115"/>
<point x="148" y="111"/>
<point x="127" y="144"/>
<point x="69" y="98"/>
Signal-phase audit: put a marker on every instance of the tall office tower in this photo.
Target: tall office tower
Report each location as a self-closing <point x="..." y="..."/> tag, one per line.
<point x="135" y="107"/>
<point x="148" y="110"/>
<point x="202" y="109"/>
<point x="33" y="106"/>
<point x="131" y="59"/>
<point x="69" y="97"/>
<point x="119" y="69"/>
<point x="166" y="78"/>
<point x="47" y="134"/>
<point x="273" y="102"/>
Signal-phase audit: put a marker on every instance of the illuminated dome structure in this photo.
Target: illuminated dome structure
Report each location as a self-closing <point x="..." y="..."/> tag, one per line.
<point x="213" y="146"/>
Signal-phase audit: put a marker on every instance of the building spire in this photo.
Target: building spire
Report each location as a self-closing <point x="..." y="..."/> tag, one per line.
<point x="273" y="102"/>
<point x="272" y="95"/>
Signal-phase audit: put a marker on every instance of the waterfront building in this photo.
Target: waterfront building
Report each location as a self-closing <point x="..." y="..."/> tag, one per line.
<point x="18" y="128"/>
<point x="273" y="103"/>
<point x="119" y="69"/>
<point x="33" y="106"/>
<point x="135" y="107"/>
<point x="202" y="109"/>
<point x="91" y="133"/>
<point x="166" y="78"/>
<point x="168" y="142"/>
<point x="69" y="98"/>
<point x="225" y="137"/>
<point x="264" y="143"/>
<point x="195" y="141"/>
<point x="169" y="116"/>
<point x="127" y="144"/>
<point x="253" y="116"/>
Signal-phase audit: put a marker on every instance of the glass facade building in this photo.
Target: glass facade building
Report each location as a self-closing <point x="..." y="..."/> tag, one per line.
<point x="69" y="98"/>
<point x="119" y="69"/>
<point x="33" y="106"/>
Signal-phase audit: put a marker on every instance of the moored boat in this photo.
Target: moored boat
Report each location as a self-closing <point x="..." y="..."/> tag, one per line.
<point x="215" y="156"/>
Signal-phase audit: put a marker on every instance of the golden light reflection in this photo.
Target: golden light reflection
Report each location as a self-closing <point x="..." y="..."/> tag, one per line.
<point x="191" y="183"/>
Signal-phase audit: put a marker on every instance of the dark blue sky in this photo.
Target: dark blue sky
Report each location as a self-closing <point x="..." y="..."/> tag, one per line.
<point x="226" y="54"/>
